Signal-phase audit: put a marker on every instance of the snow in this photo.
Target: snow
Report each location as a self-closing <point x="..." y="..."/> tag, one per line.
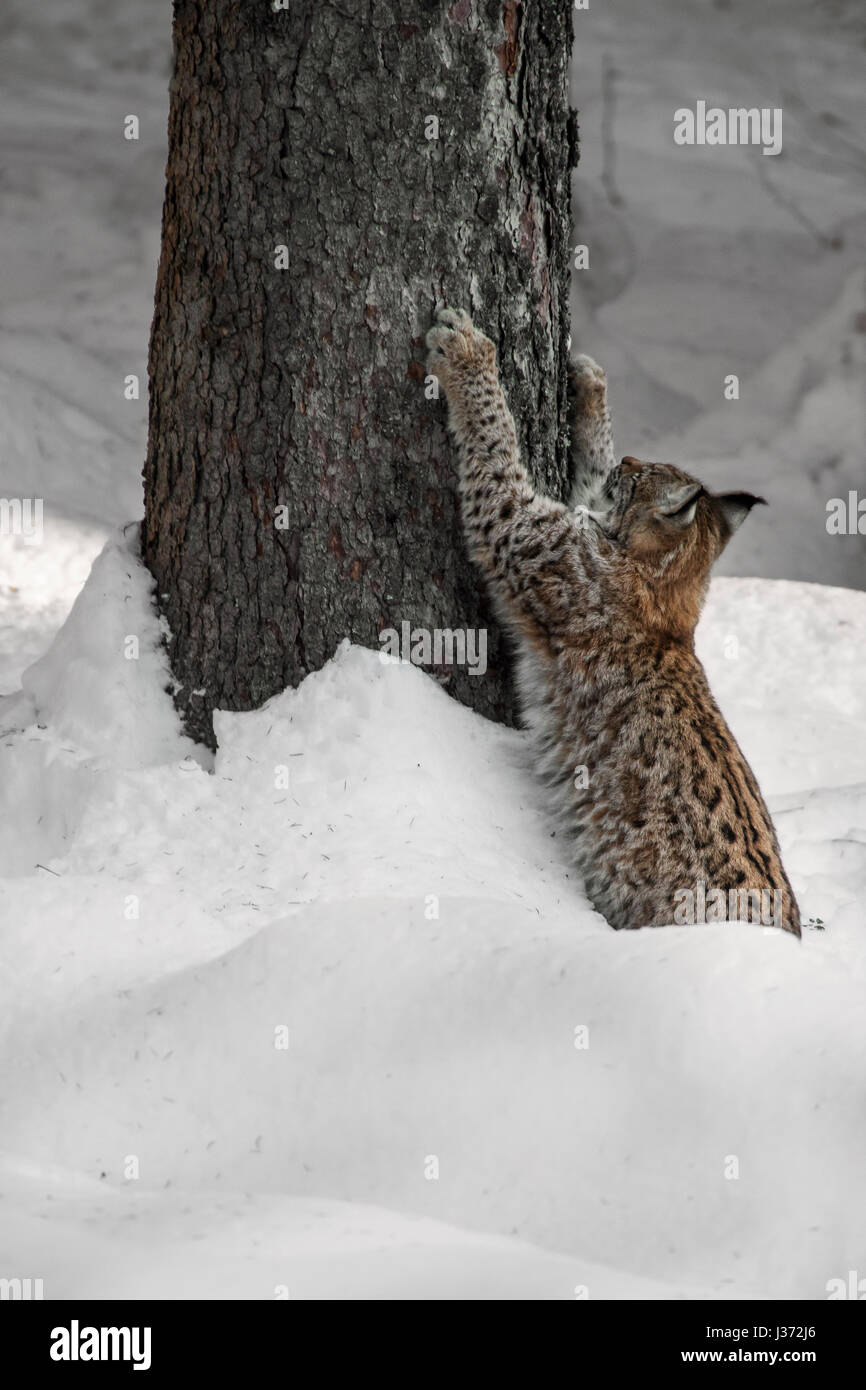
<point x="367" y="865"/>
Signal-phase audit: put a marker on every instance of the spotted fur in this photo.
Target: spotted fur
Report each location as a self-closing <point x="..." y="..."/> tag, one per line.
<point x="602" y="599"/>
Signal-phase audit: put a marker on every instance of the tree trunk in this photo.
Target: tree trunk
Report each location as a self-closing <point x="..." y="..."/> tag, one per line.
<point x="314" y="127"/>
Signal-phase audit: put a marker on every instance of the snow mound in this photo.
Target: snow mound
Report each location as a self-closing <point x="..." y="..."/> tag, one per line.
<point x="94" y="704"/>
<point x="677" y="1105"/>
<point x="349" y="974"/>
<point x="245" y="1246"/>
<point x="97" y="684"/>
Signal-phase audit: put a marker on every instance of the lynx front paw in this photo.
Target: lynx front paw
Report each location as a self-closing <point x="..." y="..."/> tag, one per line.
<point x="588" y="383"/>
<point x="456" y="347"/>
<point x="586" y="367"/>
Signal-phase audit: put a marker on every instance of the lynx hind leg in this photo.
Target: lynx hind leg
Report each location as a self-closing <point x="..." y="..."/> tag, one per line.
<point x="592" y="456"/>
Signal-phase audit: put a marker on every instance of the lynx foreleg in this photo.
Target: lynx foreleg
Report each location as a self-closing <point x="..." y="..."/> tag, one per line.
<point x="530" y="548"/>
<point x="592" y="456"/>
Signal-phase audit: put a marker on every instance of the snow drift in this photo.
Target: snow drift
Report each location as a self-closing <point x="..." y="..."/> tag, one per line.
<point x="330" y="1015"/>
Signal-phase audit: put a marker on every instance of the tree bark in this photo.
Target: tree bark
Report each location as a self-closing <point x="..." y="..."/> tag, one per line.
<point x="304" y="388"/>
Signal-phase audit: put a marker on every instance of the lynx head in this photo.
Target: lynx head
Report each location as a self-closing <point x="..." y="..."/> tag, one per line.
<point x="672" y="529"/>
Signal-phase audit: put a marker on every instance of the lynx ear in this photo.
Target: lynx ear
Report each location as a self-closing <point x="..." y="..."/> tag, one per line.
<point x="734" y="507"/>
<point x="679" y="503"/>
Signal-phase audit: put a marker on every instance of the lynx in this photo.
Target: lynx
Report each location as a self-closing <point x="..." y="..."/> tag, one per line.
<point x="602" y="598"/>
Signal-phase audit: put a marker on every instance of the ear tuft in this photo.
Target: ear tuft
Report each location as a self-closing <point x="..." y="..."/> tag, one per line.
<point x="734" y="507"/>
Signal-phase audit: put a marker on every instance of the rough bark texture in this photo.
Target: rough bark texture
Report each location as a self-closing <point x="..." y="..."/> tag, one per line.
<point x="304" y="387"/>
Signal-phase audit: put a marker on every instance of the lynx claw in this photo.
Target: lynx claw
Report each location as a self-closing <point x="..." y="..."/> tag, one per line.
<point x="587" y="386"/>
<point x="449" y="322"/>
<point x="585" y="369"/>
<point x="457" y="319"/>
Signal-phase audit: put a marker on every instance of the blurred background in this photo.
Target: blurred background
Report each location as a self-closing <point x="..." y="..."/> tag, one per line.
<point x="703" y="262"/>
<point x="713" y="261"/>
